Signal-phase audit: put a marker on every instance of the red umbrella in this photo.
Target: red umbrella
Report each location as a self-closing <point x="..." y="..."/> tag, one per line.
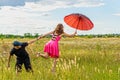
<point x="78" y="21"/>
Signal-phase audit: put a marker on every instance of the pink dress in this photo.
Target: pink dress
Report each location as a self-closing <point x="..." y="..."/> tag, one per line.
<point x="52" y="46"/>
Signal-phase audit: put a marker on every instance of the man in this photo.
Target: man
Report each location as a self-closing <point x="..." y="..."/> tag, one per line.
<point x="22" y="56"/>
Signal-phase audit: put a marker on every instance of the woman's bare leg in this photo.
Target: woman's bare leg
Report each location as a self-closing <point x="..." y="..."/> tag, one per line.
<point x="45" y="55"/>
<point x="54" y="64"/>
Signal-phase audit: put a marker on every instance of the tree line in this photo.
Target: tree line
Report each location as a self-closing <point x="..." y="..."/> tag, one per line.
<point x="29" y="35"/>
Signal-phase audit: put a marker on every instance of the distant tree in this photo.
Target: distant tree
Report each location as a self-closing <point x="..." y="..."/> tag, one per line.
<point x="28" y="35"/>
<point x="36" y="35"/>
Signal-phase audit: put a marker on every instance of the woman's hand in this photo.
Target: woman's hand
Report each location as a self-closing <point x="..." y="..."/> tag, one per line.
<point x="75" y="32"/>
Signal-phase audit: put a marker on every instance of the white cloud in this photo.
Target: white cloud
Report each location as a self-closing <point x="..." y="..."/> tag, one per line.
<point x="117" y="14"/>
<point x="29" y="18"/>
<point x="16" y="20"/>
<point x="48" y="5"/>
<point x="33" y="7"/>
<point x="89" y="4"/>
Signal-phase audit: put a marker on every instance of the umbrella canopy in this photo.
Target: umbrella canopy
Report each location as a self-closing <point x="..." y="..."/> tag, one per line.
<point x="78" y="21"/>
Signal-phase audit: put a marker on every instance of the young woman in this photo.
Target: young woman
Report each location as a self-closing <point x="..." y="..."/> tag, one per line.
<point x="51" y="48"/>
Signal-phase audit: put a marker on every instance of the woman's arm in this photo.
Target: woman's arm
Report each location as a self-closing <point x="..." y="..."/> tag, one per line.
<point x="70" y="35"/>
<point x="45" y="34"/>
<point x="32" y="41"/>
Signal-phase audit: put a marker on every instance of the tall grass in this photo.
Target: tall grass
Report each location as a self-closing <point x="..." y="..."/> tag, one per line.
<point x="80" y="59"/>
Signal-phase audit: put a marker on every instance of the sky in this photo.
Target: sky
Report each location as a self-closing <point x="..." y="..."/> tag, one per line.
<point x="41" y="16"/>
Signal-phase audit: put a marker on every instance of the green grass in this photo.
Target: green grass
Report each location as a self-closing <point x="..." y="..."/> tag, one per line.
<point x="80" y="59"/>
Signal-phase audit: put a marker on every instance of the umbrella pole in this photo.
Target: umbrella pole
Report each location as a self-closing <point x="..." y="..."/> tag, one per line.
<point x="76" y="30"/>
<point x="78" y="24"/>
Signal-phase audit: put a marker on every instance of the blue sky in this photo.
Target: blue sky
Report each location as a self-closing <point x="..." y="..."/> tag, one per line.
<point x="42" y="16"/>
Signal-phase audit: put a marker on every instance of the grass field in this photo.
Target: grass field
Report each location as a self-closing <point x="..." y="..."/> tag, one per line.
<point x="80" y="59"/>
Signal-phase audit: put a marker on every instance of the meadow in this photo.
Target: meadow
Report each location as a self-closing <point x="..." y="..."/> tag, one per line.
<point x="80" y="59"/>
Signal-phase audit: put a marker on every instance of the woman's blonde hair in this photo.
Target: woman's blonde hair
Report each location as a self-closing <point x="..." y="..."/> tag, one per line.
<point x="59" y="29"/>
